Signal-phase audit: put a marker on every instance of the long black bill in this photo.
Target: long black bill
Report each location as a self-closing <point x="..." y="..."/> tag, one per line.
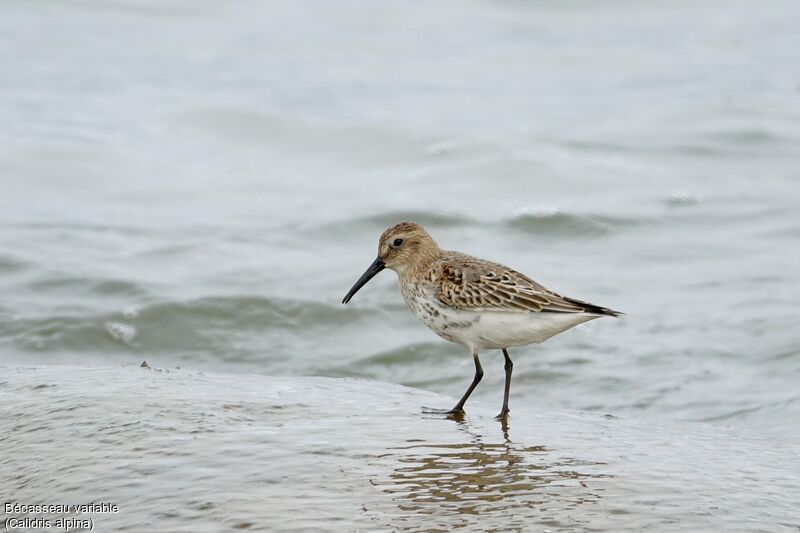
<point x="373" y="269"/>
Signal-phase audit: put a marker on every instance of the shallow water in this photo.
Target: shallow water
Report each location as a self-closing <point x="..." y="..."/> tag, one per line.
<point x="198" y="184"/>
<point x="180" y="450"/>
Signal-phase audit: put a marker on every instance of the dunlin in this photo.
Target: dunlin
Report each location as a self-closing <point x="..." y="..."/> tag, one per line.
<point x="473" y="302"/>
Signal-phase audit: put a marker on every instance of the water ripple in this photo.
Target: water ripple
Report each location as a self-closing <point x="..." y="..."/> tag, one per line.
<point x="174" y="325"/>
<point x="553" y="222"/>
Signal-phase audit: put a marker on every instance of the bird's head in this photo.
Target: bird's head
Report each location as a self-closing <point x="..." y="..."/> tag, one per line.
<point x="400" y="248"/>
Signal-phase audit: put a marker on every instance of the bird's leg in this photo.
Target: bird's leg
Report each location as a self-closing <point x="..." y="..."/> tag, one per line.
<point x="459" y="407"/>
<point x="475" y="380"/>
<point x="509" y="366"/>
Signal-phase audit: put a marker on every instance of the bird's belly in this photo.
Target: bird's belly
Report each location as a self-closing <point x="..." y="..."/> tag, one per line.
<point x="496" y="329"/>
<point x="491" y="329"/>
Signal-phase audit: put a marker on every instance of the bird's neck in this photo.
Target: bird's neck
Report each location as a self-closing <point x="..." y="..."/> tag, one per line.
<point x="422" y="262"/>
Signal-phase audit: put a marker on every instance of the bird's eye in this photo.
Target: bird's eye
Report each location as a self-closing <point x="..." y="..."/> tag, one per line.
<point x="397" y="243"/>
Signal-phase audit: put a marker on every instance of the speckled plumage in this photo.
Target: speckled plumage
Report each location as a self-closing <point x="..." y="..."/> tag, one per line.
<point x="473" y="302"/>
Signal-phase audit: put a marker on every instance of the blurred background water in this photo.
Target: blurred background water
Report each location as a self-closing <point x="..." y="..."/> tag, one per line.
<point x="199" y="183"/>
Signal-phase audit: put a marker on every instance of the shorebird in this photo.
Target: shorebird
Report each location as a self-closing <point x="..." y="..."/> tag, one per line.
<point x="473" y="302"/>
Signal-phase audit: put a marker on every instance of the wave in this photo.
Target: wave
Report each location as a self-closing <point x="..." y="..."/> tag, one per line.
<point x="10" y="264"/>
<point x="540" y="220"/>
<point x="247" y="311"/>
<point x="550" y="221"/>
<point x="205" y="324"/>
<point x="101" y="287"/>
<point x="86" y="227"/>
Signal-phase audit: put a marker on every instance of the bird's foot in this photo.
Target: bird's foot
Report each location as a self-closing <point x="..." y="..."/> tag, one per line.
<point x="503" y="415"/>
<point x="449" y="412"/>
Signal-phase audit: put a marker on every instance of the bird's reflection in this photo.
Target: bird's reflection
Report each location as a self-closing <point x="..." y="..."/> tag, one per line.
<point x="457" y="483"/>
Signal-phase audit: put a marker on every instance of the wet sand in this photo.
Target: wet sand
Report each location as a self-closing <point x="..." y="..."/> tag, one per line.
<point x="180" y="450"/>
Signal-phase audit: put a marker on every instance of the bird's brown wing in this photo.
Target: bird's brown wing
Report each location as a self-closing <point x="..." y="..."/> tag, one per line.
<point x="472" y="284"/>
